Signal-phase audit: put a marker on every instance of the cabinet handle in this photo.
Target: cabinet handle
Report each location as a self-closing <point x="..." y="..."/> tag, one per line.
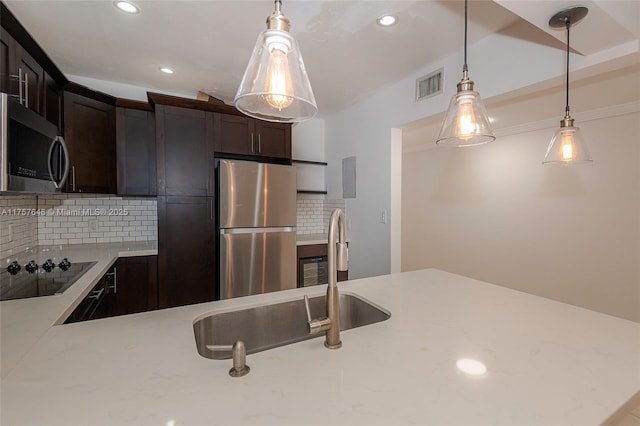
<point x="252" y="150"/>
<point x="113" y="274"/>
<point x="19" y="77"/>
<point x="259" y="143"/>
<point x="96" y="294"/>
<point x="26" y="90"/>
<point x="73" y="178"/>
<point x="211" y="209"/>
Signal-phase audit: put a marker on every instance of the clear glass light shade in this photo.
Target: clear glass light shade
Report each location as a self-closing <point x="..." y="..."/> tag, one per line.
<point x="466" y="122"/>
<point x="275" y="86"/>
<point x="567" y="147"/>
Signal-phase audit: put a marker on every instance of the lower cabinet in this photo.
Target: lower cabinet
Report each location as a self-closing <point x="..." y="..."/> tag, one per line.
<point x="133" y="285"/>
<point x="128" y="287"/>
<point x="95" y="304"/>
<point x="186" y="251"/>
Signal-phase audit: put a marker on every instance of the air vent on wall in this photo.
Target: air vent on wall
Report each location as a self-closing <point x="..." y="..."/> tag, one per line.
<point x="429" y="85"/>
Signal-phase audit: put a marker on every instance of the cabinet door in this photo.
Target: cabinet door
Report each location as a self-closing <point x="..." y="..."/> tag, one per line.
<point x="52" y="101"/>
<point x="89" y="130"/>
<point x="186" y="262"/>
<point x="7" y="55"/>
<point x="136" y="152"/>
<point x="133" y="287"/>
<point x="274" y="139"/>
<point x="234" y="134"/>
<point x="185" y="151"/>
<point x="33" y="79"/>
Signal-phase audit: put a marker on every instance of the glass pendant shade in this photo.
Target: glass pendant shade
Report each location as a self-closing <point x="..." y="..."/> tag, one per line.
<point x="567" y="147"/>
<point x="275" y="86"/>
<point x="466" y="122"/>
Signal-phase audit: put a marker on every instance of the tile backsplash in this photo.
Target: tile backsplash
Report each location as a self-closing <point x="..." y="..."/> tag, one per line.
<point x="50" y="219"/>
<point x="96" y="219"/>
<point x="18" y="224"/>
<point x="314" y="214"/>
<point x="26" y="221"/>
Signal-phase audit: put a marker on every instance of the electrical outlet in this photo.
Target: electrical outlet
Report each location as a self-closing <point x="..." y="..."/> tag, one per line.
<point x="383" y="216"/>
<point x="93" y="225"/>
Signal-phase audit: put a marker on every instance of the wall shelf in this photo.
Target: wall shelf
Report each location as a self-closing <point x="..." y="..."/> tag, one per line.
<point x="311" y="176"/>
<point x="309" y="191"/>
<point x="316" y="163"/>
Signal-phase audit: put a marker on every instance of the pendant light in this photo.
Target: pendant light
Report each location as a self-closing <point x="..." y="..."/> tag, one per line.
<point x="466" y="122"/>
<point x="275" y="86"/>
<point x="567" y="145"/>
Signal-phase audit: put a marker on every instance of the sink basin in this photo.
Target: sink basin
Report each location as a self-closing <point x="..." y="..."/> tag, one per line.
<point x="270" y="326"/>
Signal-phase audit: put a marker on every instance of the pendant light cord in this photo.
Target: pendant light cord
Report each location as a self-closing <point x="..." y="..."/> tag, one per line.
<point x="568" y="25"/>
<point x="464" y="67"/>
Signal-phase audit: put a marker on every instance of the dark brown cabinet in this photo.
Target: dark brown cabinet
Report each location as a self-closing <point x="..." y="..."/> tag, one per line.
<point x="95" y="305"/>
<point x="247" y="136"/>
<point x="7" y="54"/>
<point x="185" y="151"/>
<point x="133" y="285"/>
<point x="31" y="74"/>
<point x="26" y="72"/>
<point x="89" y="130"/>
<point x="136" y="152"/>
<point x="186" y="262"/>
<point x="22" y="76"/>
<point x="52" y="101"/>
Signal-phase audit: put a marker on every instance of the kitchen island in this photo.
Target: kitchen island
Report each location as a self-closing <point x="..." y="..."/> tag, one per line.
<point x="548" y="363"/>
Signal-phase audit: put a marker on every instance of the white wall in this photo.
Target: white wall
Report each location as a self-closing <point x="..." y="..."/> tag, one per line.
<point x="365" y="129"/>
<point x="495" y="213"/>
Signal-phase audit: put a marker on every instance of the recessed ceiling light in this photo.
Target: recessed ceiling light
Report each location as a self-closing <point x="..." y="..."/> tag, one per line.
<point x="471" y="367"/>
<point x="127" y="6"/>
<point x="387" y="20"/>
<point x="167" y="70"/>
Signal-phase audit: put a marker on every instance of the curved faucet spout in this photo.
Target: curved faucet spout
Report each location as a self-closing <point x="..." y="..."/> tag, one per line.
<point x="338" y="260"/>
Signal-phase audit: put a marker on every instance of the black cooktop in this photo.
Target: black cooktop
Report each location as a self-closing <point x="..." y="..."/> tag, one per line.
<point x="40" y="283"/>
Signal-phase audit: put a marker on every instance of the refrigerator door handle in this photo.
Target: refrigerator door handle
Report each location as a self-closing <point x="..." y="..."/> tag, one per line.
<point x="257" y="230"/>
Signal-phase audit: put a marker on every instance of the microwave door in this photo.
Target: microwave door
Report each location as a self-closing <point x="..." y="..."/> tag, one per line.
<point x="58" y="162"/>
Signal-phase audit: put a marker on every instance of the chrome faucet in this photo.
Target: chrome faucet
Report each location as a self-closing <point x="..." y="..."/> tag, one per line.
<point x="338" y="260"/>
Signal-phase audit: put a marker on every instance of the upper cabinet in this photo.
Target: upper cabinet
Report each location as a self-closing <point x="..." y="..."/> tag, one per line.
<point x="90" y="133"/>
<point x="136" y="151"/>
<point x="22" y="76"/>
<point x="184" y="140"/>
<point x="243" y="135"/>
<point x="26" y="72"/>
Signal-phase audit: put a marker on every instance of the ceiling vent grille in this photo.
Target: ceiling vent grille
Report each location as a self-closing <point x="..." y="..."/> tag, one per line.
<point x="429" y="85"/>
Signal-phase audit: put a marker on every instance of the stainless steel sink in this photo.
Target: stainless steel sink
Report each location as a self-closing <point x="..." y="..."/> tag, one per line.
<point x="270" y="326"/>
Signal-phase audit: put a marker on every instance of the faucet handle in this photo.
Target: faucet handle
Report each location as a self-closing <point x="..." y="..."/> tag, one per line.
<point x="239" y="352"/>
<point x="315" y="326"/>
<point x="306" y="305"/>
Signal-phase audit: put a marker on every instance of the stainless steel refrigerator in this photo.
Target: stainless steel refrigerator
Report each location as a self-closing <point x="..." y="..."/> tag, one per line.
<point x="257" y="234"/>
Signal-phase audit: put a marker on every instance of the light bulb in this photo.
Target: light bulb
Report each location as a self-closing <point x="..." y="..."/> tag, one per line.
<point x="466" y="124"/>
<point x="280" y="92"/>
<point x="567" y="146"/>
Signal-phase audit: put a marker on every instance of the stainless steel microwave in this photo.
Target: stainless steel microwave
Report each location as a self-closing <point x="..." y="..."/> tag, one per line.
<point x="33" y="156"/>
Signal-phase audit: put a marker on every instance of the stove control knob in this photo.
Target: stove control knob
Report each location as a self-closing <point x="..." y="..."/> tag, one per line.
<point x="31" y="267"/>
<point x="64" y="264"/>
<point x="14" y="267"/>
<point x="48" y="265"/>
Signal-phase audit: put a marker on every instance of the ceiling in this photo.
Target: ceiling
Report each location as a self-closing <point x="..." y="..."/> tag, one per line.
<point x="208" y="43"/>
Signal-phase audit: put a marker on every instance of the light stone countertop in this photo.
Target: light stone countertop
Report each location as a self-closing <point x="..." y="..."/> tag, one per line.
<point x="309" y="239"/>
<point x="24" y="321"/>
<point x="548" y="363"/>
